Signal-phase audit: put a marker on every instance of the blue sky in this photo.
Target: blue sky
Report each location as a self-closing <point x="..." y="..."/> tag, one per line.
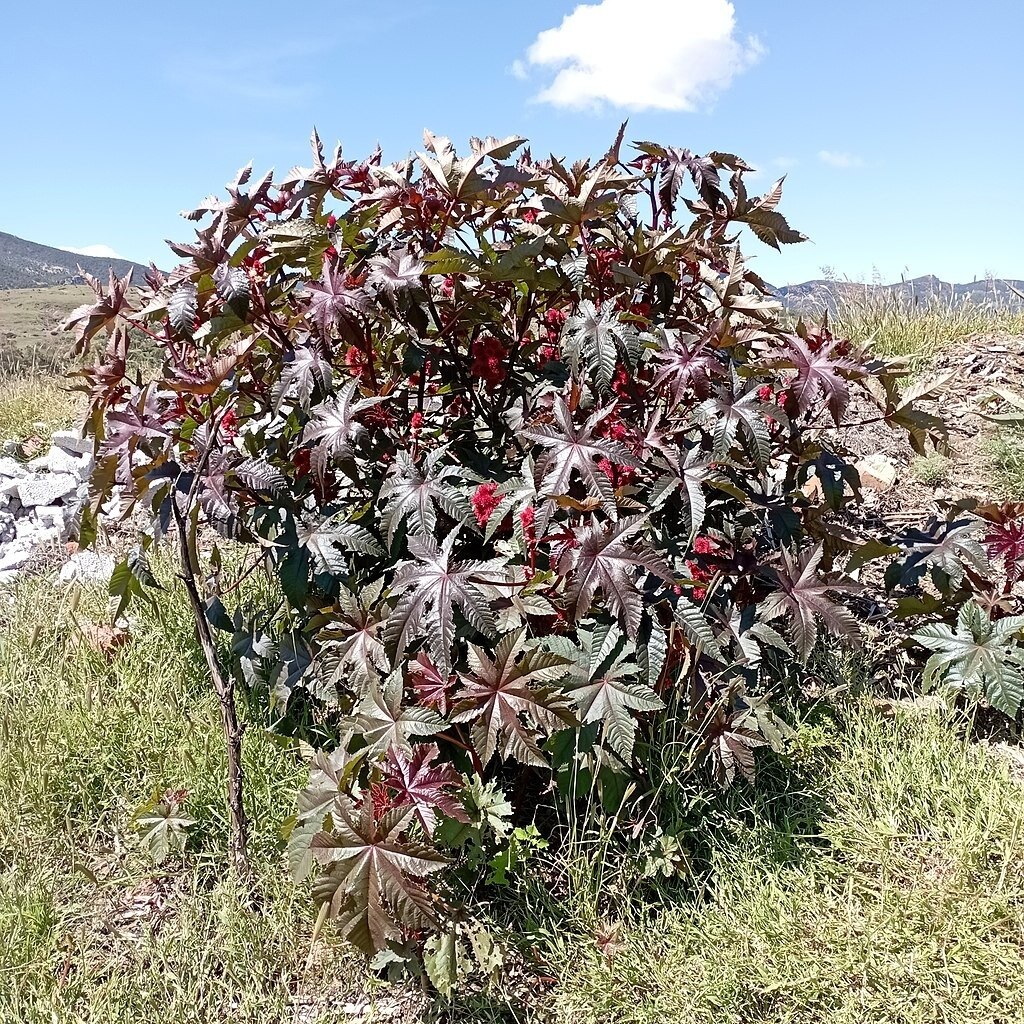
<point x="898" y="123"/>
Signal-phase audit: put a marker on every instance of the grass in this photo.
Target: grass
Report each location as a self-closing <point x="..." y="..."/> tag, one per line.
<point x="1006" y="452"/>
<point x="931" y="470"/>
<point x="28" y="325"/>
<point x="916" y="329"/>
<point x="880" y="876"/>
<point x="904" y="904"/>
<point x="36" y="404"/>
<point x="89" y="931"/>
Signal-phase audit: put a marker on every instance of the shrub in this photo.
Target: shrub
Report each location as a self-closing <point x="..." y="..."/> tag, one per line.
<point x="526" y="449"/>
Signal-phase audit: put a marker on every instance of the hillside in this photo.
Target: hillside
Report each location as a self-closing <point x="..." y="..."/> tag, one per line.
<point x="25" y="264"/>
<point x="29" y="325"/>
<point x="814" y="296"/>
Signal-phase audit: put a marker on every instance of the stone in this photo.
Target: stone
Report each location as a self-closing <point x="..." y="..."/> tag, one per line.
<point x="12" y="469"/>
<point x="877" y="472"/>
<point x="87" y="566"/>
<point x="51" y="515"/>
<point x="14" y="556"/>
<point x="60" y="461"/>
<point x="46" y="488"/>
<point x="9" y="447"/>
<point x="70" y="441"/>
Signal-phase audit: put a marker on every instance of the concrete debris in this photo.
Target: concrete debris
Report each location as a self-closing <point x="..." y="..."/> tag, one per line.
<point x="40" y="502"/>
<point x="877" y="472"/>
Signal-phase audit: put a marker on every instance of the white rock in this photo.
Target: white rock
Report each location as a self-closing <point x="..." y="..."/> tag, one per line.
<point x="877" y="472"/>
<point x="60" y="461"/>
<point x="11" y="468"/>
<point x="71" y="441"/>
<point x="46" y="488"/>
<point x="87" y="565"/>
<point x="9" y="447"/>
<point x="14" y="555"/>
<point x="51" y="515"/>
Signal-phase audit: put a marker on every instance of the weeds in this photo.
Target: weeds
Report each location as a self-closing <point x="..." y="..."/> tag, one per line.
<point x="912" y="326"/>
<point x="931" y="470"/>
<point x="876" y="870"/>
<point x="1006" y="451"/>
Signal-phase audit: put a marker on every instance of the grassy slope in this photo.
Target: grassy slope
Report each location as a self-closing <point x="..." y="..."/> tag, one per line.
<point x="890" y="887"/>
<point x="28" y="321"/>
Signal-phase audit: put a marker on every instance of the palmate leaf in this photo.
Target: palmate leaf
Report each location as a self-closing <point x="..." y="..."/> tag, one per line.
<point x="980" y="657"/>
<point x="1004" y="536"/>
<point x="593" y="335"/>
<point x="423" y="786"/>
<point x="607" y="560"/>
<point x="306" y="370"/>
<point x="429" y="590"/>
<point x="945" y="547"/>
<point x="372" y="883"/>
<point x="688" y="473"/>
<point x="335" y="300"/>
<point x="731" y="749"/>
<point x="820" y="373"/>
<point x="504" y="699"/>
<point x="396" y="272"/>
<point x="729" y="411"/>
<point x="686" y="362"/>
<point x="183" y="309"/>
<point x="383" y="721"/>
<point x="353" y="650"/>
<point x="677" y="166"/>
<point x="334" y="427"/>
<point x="417" y="494"/>
<point x="604" y="682"/>
<point x="802" y="595"/>
<point x="329" y="540"/>
<point x="102" y="315"/>
<point x="574" y="451"/>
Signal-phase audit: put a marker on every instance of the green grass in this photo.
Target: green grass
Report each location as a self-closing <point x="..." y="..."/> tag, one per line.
<point x="916" y="329"/>
<point x="931" y="470"/>
<point x="37" y="404"/>
<point x="89" y="931"/>
<point x="905" y="904"/>
<point x="1006" y="452"/>
<point x="879" y="876"/>
<point x="29" y="319"/>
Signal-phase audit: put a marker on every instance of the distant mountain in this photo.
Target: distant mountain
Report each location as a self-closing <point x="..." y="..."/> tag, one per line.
<point x="25" y="264"/>
<point x="812" y="297"/>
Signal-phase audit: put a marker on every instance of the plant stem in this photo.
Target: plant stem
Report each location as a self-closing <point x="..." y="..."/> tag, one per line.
<point x="238" y="837"/>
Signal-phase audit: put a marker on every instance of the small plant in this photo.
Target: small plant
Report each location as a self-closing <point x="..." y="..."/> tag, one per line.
<point x="931" y="470"/>
<point x="523" y="446"/>
<point x="979" y="658"/>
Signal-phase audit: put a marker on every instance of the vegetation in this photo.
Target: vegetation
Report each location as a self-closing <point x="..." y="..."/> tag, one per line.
<point x="30" y="337"/>
<point x="875" y="872"/>
<point x="900" y="324"/>
<point x="1007" y="455"/>
<point x="931" y="470"/>
<point x="524" y="449"/>
<point x="35" y="405"/>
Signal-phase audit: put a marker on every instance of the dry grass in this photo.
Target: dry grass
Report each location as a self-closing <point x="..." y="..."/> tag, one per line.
<point x="917" y="329"/>
<point x="29" y="319"/>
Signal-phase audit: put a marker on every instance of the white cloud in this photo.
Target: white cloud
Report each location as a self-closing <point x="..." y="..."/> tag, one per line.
<point x="844" y="161"/>
<point x="102" y="251"/>
<point x="642" y="54"/>
<point x="518" y="70"/>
